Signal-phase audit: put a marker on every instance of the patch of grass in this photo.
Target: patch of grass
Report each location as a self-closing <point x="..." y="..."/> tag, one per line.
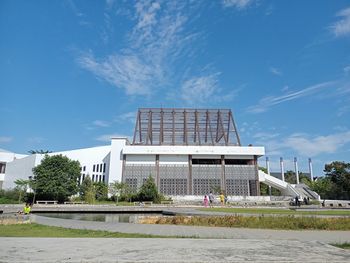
<point x="276" y="211"/>
<point x="345" y="245"/>
<point x="4" y="200"/>
<point x="36" y="230"/>
<point x="267" y="222"/>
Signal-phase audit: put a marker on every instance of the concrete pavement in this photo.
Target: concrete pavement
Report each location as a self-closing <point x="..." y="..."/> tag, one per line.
<point x="198" y="231"/>
<point x="18" y="250"/>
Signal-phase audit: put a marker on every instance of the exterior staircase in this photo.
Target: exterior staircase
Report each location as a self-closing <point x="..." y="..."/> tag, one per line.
<point x="293" y="190"/>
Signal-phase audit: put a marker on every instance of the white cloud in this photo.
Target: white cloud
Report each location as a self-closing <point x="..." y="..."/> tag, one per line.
<point x="199" y="90"/>
<point x="269" y="101"/>
<point x="275" y="71"/>
<point x="125" y="72"/>
<point x="128" y="116"/>
<point x="304" y="144"/>
<point x="342" y="27"/>
<point x="107" y="137"/>
<point x="238" y="4"/>
<point x="5" y="139"/>
<point x="265" y="135"/>
<point x="100" y="123"/>
<point x="318" y="145"/>
<point x="347" y="70"/>
<point x="157" y="39"/>
<point x="36" y="140"/>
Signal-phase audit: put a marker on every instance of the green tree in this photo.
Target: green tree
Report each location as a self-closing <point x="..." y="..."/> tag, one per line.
<point x="119" y="191"/>
<point x="56" y="178"/>
<point x="289" y="177"/>
<point x="149" y="191"/>
<point x="101" y="191"/>
<point x="339" y="174"/>
<point x="324" y="187"/>
<point x="87" y="190"/>
<point x="22" y="186"/>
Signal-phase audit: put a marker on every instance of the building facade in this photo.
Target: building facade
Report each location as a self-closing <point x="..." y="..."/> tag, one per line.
<point x="186" y="151"/>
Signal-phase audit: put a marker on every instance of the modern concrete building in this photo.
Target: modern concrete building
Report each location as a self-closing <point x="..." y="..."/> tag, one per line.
<point x="186" y="151"/>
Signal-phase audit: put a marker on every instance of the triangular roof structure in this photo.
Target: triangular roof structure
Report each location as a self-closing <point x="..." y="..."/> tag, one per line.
<point x="170" y="126"/>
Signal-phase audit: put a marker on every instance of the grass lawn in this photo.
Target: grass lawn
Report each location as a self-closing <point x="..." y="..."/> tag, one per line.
<point x="345" y="245"/>
<point x="275" y="211"/>
<point x="36" y="230"/>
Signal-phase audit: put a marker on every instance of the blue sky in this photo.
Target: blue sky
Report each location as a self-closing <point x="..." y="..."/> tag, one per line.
<point x="73" y="73"/>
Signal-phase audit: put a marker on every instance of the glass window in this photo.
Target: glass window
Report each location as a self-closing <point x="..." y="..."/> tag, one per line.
<point x="101" y="167"/>
<point x="84" y="168"/>
<point x="104" y="168"/>
<point x="93" y="168"/>
<point x="93" y="177"/>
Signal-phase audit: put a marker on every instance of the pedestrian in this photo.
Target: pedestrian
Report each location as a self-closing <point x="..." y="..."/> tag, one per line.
<point x="222" y="199"/>
<point x="26" y="209"/>
<point x="211" y="199"/>
<point x="205" y="201"/>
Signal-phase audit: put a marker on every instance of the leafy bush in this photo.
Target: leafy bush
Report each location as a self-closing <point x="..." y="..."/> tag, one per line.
<point x="149" y="191"/>
<point x="10" y="196"/>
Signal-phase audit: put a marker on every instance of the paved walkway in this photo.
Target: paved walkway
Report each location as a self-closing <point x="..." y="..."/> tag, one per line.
<point x="16" y="250"/>
<point x="197" y="231"/>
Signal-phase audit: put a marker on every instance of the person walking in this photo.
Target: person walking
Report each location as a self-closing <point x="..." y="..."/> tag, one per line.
<point x="211" y="199"/>
<point x="205" y="201"/>
<point x="222" y="199"/>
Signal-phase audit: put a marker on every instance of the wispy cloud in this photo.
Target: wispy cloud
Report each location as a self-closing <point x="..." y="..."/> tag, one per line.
<point x="347" y="70"/>
<point x="35" y="140"/>
<point x="80" y="15"/>
<point x="265" y="135"/>
<point x="5" y="139"/>
<point x="100" y="123"/>
<point x="198" y="90"/>
<point x="304" y="144"/>
<point x="318" y="145"/>
<point x="238" y="4"/>
<point x="275" y="71"/>
<point x="157" y="39"/>
<point x="342" y="26"/>
<point x="267" y="102"/>
<point x="127" y="116"/>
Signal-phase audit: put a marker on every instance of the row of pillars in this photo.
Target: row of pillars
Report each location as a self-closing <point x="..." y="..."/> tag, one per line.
<point x="295" y="168"/>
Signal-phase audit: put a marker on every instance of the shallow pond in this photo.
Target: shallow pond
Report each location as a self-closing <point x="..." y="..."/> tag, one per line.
<point x="117" y="218"/>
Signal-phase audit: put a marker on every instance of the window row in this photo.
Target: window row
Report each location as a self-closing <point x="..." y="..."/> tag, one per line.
<point x="99" y="168"/>
<point x="95" y="178"/>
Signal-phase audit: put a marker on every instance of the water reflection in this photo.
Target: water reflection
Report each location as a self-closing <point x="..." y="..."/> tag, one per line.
<point x="117" y="218"/>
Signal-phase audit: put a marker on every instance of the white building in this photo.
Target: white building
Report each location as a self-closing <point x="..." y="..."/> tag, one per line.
<point x="186" y="151"/>
<point x="6" y="157"/>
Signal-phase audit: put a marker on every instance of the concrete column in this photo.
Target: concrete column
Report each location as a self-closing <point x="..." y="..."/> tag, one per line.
<point x="157" y="179"/>
<point x="310" y="170"/>
<point x="223" y="180"/>
<point x="296" y="169"/>
<point x="282" y="168"/>
<point x="268" y="165"/>
<point x="189" y="184"/>
<point x="123" y="168"/>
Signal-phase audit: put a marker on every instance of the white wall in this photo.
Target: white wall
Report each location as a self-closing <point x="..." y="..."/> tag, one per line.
<point x="173" y="159"/>
<point x="20" y="169"/>
<point x="89" y="157"/>
<point x="195" y="150"/>
<point x="141" y="159"/>
<point x="6" y="157"/>
<point x="116" y="159"/>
